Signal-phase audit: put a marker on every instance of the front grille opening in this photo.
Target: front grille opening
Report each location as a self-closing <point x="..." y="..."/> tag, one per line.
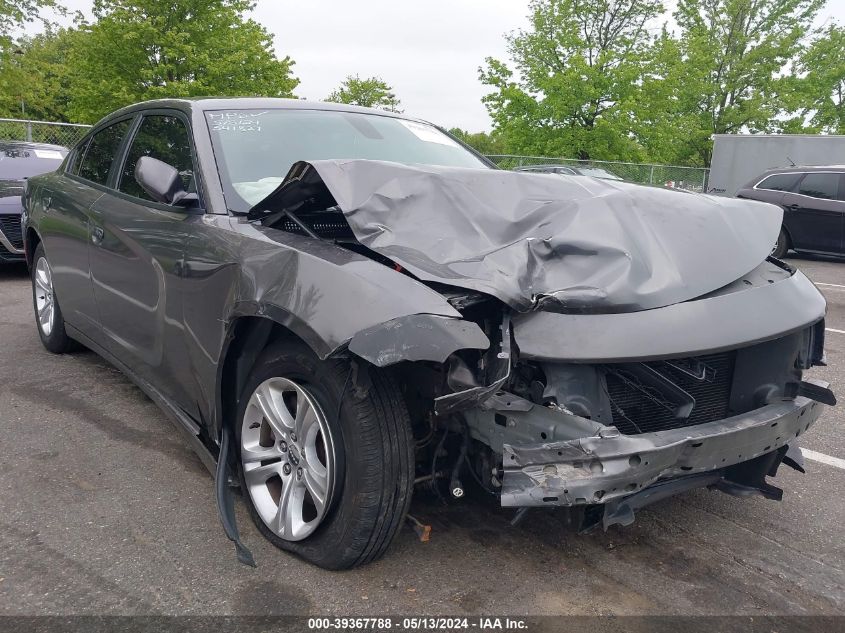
<point x="11" y="228"/>
<point x="644" y="408"/>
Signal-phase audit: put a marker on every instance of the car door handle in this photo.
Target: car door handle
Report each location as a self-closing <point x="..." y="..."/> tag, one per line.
<point x="97" y="234"/>
<point x="793" y="207"/>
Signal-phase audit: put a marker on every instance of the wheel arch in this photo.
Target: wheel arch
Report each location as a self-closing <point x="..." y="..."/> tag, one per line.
<point x="248" y="334"/>
<point x="31" y="242"/>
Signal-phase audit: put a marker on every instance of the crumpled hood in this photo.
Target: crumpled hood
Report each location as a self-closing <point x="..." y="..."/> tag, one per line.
<point x="564" y="243"/>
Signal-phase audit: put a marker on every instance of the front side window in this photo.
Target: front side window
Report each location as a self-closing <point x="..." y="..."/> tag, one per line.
<point x="820" y="185"/>
<point x="255" y="149"/>
<point x="165" y="138"/>
<point x="779" y="182"/>
<point x="103" y="146"/>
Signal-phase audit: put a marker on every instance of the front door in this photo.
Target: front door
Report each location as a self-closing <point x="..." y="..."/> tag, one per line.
<point x="137" y="250"/>
<point x="65" y="228"/>
<point x="815" y="212"/>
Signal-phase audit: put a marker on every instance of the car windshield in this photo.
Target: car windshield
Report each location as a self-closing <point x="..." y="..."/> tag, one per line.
<point x="255" y="149"/>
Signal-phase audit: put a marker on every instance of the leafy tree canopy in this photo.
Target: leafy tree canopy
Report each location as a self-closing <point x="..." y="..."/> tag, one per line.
<point x="146" y="49"/>
<point x="35" y="82"/>
<point x="600" y="79"/>
<point x="372" y="92"/>
<point x="574" y="78"/>
<point x="819" y="90"/>
<point x="734" y="55"/>
<point x="482" y="142"/>
<point x="14" y="14"/>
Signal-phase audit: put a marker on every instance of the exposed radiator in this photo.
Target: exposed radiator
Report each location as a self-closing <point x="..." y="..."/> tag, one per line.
<point x="639" y="408"/>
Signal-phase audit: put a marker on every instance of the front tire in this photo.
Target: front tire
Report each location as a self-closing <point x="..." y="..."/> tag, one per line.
<point x="48" y="313"/>
<point x="782" y="245"/>
<point x="326" y="463"/>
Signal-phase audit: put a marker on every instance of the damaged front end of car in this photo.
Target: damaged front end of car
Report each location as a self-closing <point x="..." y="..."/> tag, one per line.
<point x="616" y="345"/>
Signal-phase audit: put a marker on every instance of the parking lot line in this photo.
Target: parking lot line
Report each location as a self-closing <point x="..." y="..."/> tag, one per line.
<point x="819" y="283"/>
<point x="830" y="329"/>
<point x="824" y="459"/>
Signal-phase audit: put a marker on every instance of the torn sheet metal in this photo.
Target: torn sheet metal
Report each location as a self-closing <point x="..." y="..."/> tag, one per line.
<point x="477" y="395"/>
<point x="562" y="243"/>
<point x="417" y="337"/>
<point x="601" y="469"/>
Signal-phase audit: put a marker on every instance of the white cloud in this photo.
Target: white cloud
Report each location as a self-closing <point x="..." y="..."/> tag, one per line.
<point x="429" y="52"/>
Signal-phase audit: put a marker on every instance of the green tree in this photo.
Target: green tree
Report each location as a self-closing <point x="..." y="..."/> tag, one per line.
<point x="733" y="68"/>
<point x="372" y="92"/>
<point x="482" y="142"/>
<point x="36" y="80"/>
<point x="146" y="49"/>
<point x="14" y="14"/>
<point x="579" y="69"/>
<point x="819" y="95"/>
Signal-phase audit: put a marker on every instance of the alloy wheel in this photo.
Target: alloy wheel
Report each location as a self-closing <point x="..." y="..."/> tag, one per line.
<point x="288" y="458"/>
<point x="44" y="300"/>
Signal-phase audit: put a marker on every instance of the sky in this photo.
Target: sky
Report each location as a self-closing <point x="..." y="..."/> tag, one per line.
<point x="429" y="51"/>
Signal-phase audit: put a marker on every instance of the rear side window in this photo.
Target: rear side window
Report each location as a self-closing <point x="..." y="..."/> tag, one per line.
<point x="817" y="185"/>
<point x="779" y="182"/>
<point x="101" y="150"/>
<point x="165" y="138"/>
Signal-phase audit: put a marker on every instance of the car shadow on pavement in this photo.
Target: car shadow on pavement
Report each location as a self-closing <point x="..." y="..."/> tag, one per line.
<point x="813" y="257"/>
<point x="13" y="271"/>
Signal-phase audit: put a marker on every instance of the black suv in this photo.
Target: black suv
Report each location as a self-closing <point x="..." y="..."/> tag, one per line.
<point x="20" y="160"/>
<point x="813" y="201"/>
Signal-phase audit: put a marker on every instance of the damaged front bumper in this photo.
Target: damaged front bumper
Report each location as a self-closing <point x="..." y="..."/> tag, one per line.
<point x="611" y="468"/>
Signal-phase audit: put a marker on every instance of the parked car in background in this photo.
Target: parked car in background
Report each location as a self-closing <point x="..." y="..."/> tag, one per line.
<point x="337" y="305"/>
<point x="20" y="160"/>
<point x="595" y="172"/>
<point x="813" y="203"/>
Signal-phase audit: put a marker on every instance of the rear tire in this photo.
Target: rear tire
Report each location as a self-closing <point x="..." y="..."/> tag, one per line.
<point x="48" y="313"/>
<point x="782" y="245"/>
<point x="364" y="456"/>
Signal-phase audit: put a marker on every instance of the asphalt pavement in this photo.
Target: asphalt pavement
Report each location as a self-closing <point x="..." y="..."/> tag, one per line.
<point x="104" y="509"/>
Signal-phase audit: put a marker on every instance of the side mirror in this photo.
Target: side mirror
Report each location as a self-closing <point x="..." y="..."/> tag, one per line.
<point x="162" y="182"/>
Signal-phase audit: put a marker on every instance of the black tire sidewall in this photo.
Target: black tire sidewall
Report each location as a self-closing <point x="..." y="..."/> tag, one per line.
<point x="57" y="341"/>
<point x="340" y="540"/>
<point x="782" y="245"/>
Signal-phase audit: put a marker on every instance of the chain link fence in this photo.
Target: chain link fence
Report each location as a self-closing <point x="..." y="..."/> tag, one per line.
<point x="690" y="178"/>
<point x="66" y="134"/>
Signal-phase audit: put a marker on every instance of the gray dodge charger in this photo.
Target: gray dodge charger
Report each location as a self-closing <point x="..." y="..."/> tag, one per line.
<point x="339" y="307"/>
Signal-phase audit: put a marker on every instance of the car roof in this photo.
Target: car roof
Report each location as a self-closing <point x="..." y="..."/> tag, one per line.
<point x="802" y="169"/>
<point x="251" y="103"/>
<point x="6" y="146"/>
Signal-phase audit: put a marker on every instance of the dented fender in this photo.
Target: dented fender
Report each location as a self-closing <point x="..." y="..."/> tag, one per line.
<point x="417" y="337"/>
<point x="321" y="292"/>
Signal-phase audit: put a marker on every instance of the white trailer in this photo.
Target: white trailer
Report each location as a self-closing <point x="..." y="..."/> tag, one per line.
<point x="737" y="158"/>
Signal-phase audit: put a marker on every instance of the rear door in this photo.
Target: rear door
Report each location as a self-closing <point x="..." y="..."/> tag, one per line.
<point x="137" y="250"/>
<point x="64" y="227"/>
<point x="814" y="212"/>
